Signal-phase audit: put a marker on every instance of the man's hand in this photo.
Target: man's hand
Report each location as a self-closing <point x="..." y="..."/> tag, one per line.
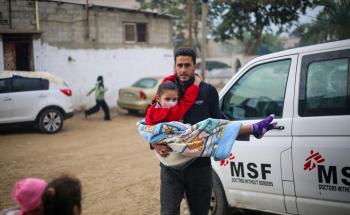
<point x="162" y="150"/>
<point x="197" y="80"/>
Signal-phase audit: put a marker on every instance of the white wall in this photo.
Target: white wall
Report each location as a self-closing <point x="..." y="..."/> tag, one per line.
<point x="2" y="64"/>
<point x="119" y="67"/>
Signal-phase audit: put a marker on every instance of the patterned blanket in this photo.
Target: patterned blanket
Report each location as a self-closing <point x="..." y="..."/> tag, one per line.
<point x="208" y="138"/>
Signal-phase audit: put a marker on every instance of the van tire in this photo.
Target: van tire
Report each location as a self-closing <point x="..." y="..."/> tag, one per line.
<point x="218" y="201"/>
<point x="50" y="121"/>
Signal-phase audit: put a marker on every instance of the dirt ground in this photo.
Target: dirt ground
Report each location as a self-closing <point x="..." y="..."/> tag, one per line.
<point x="118" y="171"/>
<point x="119" y="174"/>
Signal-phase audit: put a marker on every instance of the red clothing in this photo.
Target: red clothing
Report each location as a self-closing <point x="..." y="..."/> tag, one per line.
<point x="170" y="78"/>
<point x="156" y="115"/>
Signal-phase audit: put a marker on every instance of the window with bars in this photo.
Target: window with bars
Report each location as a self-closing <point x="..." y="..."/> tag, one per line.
<point x="135" y="32"/>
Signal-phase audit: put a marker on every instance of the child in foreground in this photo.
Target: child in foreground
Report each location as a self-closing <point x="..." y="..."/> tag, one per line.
<point x="168" y="108"/>
<point x="62" y="196"/>
<point x="27" y="194"/>
<point x="208" y="138"/>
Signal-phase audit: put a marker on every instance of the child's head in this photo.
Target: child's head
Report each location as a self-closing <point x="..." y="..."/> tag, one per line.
<point x="62" y="196"/>
<point x="167" y="94"/>
<point x="27" y="193"/>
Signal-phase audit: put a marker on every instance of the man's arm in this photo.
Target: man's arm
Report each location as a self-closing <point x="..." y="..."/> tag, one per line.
<point x="177" y="113"/>
<point x="170" y="78"/>
<point x="162" y="150"/>
<point x="157" y="115"/>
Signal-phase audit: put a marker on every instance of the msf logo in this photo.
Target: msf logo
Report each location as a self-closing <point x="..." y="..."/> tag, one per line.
<point x="331" y="175"/>
<point x="312" y="160"/>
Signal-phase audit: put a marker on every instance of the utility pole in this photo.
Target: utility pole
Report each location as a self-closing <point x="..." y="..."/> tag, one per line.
<point x="204" y="37"/>
<point x="189" y="21"/>
<point x="87" y="36"/>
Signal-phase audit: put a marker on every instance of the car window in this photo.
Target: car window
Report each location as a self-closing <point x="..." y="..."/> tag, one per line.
<point x="146" y="83"/>
<point x="20" y="84"/>
<point x="327" y="88"/>
<point x="210" y="65"/>
<point x="258" y="93"/>
<point x="5" y="85"/>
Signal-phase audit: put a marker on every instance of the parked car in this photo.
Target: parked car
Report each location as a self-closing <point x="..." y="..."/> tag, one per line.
<point x="34" y="97"/>
<point x="217" y="73"/>
<point x="216" y="69"/>
<point x="303" y="167"/>
<point x="139" y="96"/>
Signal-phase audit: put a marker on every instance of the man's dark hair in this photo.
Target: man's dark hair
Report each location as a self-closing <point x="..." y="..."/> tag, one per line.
<point x="185" y="52"/>
<point x="168" y="85"/>
<point x="61" y="196"/>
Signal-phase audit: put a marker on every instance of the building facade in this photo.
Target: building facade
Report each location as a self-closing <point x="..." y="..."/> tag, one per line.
<point x="79" y="40"/>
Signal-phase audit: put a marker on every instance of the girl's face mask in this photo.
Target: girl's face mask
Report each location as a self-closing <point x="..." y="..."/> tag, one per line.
<point x="168" y="99"/>
<point x="168" y="104"/>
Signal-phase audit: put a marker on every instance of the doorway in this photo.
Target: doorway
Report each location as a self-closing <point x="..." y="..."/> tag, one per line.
<point x="18" y="52"/>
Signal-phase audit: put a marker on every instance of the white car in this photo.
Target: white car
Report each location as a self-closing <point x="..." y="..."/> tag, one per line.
<point x="37" y="97"/>
<point x="303" y="167"/>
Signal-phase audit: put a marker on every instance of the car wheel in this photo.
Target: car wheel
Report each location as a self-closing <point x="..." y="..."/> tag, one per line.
<point x="133" y="112"/>
<point x="218" y="202"/>
<point x="50" y="121"/>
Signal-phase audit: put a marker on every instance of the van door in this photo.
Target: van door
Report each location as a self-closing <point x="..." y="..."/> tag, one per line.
<point x="6" y="102"/>
<point x="321" y="133"/>
<point x="253" y="175"/>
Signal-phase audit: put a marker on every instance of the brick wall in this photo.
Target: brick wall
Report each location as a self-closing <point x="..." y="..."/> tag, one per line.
<point x="65" y="25"/>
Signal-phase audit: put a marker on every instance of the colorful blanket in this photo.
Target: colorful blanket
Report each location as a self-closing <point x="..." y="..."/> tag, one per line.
<point x="208" y="138"/>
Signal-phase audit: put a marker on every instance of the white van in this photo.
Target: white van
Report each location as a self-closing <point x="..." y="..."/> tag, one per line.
<point x="303" y="167"/>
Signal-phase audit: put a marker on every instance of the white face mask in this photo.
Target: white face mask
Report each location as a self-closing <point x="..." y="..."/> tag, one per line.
<point x="169" y="104"/>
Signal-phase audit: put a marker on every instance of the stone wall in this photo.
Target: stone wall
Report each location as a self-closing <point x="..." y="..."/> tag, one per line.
<point x="69" y="49"/>
<point x="66" y="24"/>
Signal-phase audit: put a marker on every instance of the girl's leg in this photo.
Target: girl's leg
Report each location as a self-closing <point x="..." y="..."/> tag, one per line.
<point x="245" y="130"/>
<point x="258" y="129"/>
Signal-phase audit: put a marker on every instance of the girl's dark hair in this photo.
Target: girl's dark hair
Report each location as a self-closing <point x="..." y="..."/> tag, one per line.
<point x="61" y="196"/>
<point x="168" y="85"/>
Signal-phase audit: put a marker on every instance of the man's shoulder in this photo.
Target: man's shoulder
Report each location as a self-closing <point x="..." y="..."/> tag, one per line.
<point x="207" y="86"/>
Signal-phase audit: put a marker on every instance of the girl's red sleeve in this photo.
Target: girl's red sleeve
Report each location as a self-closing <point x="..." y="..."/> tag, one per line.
<point x="171" y="78"/>
<point x="157" y="115"/>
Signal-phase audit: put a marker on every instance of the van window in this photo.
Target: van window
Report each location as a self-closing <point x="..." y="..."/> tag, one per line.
<point x="258" y="93"/>
<point x="5" y="85"/>
<point x="327" y="88"/>
<point x="20" y="84"/>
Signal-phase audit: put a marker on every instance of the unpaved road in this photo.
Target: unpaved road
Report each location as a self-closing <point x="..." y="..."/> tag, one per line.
<point x="120" y="175"/>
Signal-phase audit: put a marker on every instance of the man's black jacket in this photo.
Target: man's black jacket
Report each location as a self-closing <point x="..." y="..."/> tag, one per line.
<point x="206" y="106"/>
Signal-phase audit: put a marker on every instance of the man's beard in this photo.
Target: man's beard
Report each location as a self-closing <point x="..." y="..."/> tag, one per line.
<point x="183" y="85"/>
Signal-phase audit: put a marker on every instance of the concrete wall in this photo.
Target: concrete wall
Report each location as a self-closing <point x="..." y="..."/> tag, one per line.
<point x="120" y="68"/>
<point x="66" y="25"/>
<point x="68" y="49"/>
<point x="22" y="15"/>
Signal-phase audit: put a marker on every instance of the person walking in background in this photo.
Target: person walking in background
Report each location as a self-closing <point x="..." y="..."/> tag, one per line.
<point x="27" y="194"/>
<point x="100" y="99"/>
